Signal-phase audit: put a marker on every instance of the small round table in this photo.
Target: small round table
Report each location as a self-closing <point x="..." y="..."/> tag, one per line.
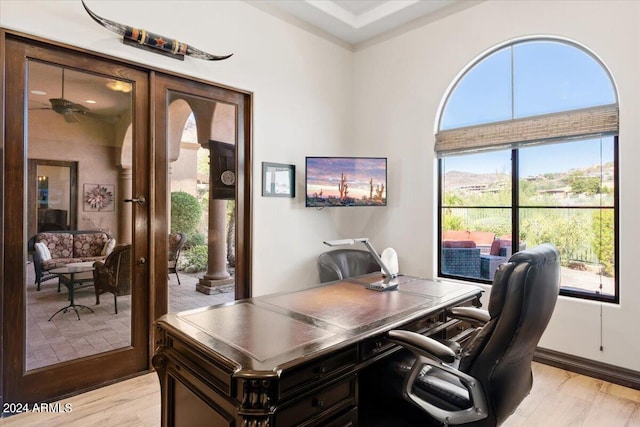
<point x="70" y="275"/>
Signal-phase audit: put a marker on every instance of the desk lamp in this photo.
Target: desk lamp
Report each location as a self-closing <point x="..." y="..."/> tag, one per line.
<point x="383" y="285"/>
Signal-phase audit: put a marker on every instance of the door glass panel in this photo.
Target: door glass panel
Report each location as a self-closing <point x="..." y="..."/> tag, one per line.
<point x="79" y="149"/>
<point x="201" y="138"/>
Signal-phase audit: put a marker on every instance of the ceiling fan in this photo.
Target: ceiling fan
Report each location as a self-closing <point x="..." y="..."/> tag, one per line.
<point x="67" y="108"/>
<point x="71" y="110"/>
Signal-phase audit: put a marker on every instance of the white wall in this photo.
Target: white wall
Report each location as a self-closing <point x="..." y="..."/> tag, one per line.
<point x="302" y="86"/>
<point x="312" y="97"/>
<point x="398" y="87"/>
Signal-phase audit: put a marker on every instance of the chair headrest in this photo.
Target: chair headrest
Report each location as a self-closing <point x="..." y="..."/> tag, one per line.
<point x="536" y="257"/>
<point x="541" y="254"/>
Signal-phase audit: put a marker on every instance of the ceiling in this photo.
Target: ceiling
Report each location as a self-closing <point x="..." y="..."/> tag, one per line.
<point x="97" y="95"/>
<point x="355" y="22"/>
<point x="351" y="23"/>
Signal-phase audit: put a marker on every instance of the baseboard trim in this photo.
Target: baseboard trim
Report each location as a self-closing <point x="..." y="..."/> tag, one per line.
<point x="579" y="365"/>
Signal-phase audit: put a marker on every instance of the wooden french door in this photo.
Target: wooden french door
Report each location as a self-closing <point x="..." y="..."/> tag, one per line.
<point x="222" y="118"/>
<point x="64" y="105"/>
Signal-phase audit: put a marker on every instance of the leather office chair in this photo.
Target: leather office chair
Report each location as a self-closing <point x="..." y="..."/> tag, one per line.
<point x="176" y="242"/>
<point x="344" y="263"/>
<point x="485" y="383"/>
<point x="114" y="274"/>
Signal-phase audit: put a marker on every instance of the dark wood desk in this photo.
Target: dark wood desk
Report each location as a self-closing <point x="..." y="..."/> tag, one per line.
<point x="292" y="358"/>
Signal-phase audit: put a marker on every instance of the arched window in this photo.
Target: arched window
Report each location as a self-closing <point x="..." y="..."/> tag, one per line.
<point x="527" y="147"/>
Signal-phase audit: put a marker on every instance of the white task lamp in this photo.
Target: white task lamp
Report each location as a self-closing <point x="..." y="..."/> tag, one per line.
<point x="383" y="285"/>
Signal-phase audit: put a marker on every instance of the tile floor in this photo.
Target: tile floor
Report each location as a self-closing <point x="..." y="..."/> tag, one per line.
<point x="66" y="338"/>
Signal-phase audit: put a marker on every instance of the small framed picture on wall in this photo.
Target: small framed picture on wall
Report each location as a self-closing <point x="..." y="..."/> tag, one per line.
<point x="278" y="180"/>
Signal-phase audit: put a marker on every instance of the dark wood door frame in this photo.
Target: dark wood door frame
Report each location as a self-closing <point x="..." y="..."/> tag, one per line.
<point x="153" y="184"/>
<point x="162" y="84"/>
<point x="20" y="385"/>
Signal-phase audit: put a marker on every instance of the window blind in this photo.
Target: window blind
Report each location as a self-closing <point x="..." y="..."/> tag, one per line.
<point x="582" y="124"/>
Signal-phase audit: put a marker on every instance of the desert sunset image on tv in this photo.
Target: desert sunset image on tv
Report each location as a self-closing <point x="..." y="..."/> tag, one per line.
<point x="346" y="181"/>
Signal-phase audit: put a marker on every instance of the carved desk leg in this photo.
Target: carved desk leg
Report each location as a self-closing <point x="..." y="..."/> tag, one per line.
<point x="257" y="396"/>
<point x="159" y="362"/>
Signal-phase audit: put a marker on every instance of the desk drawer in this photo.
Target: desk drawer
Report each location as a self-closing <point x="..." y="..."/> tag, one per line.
<point x="319" y="408"/>
<point x="380" y="344"/>
<point x="295" y="380"/>
<point x="459" y="331"/>
<point x="349" y="418"/>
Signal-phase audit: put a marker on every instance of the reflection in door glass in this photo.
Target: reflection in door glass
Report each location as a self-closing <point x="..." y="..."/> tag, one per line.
<point x="55" y="201"/>
<point x="79" y="149"/>
<point x="202" y="194"/>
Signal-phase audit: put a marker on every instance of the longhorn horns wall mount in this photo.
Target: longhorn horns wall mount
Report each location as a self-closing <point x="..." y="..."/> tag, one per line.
<point x="153" y="42"/>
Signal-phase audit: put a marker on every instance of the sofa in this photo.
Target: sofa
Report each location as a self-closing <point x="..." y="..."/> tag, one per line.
<point x="461" y="258"/>
<point x="482" y="239"/>
<point x="54" y="249"/>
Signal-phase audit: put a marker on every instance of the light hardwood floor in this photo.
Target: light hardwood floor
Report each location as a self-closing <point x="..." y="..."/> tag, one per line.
<point x="558" y="399"/>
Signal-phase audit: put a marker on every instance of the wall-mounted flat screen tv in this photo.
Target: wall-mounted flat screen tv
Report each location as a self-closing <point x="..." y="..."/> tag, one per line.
<point x="346" y="181"/>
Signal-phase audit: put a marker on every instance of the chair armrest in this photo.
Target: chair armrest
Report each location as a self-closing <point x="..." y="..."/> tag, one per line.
<point x="37" y="259"/>
<point x="420" y="344"/>
<point x="475" y="316"/>
<point x="427" y="353"/>
<point x="101" y="274"/>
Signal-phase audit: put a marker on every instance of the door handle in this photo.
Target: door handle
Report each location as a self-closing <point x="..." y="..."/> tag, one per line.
<point x="140" y="200"/>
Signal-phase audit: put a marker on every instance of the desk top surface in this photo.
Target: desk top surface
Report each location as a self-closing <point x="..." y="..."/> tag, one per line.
<point x="265" y="332"/>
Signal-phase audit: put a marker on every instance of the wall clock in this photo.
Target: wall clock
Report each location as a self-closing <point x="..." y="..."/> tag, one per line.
<point x="228" y="177"/>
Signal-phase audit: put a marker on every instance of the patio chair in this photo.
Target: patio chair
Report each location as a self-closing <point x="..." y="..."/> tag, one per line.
<point x="461" y="258"/>
<point x="114" y="274"/>
<point x="176" y="242"/>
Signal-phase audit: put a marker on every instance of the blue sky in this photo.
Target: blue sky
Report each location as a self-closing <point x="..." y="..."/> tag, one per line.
<point x="537" y="160"/>
<point x="547" y="77"/>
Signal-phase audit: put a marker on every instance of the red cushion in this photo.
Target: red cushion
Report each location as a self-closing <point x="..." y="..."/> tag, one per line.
<point x="458" y="244"/>
<point x="495" y="248"/>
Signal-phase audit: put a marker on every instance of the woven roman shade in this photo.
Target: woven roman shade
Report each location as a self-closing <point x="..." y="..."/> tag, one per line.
<point x="576" y="124"/>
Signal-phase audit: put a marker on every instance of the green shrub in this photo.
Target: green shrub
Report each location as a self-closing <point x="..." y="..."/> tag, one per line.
<point x="602" y="239"/>
<point x="194" y="260"/>
<point x="185" y="213"/>
<point x="197" y="239"/>
<point x="452" y="222"/>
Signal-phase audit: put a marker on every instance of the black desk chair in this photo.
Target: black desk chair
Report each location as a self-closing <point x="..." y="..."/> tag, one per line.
<point x="486" y="382"/>
<point x="344" y="263"/>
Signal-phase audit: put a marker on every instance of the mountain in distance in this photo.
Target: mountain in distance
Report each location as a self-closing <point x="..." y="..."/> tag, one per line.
<point x="471" y="181"/>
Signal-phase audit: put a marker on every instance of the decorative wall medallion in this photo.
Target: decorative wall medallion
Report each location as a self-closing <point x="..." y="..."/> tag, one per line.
<point x="98" y="197"/>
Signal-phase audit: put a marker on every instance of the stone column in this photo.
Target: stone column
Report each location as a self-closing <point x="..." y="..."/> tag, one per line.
<point x="217" y="274"/>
